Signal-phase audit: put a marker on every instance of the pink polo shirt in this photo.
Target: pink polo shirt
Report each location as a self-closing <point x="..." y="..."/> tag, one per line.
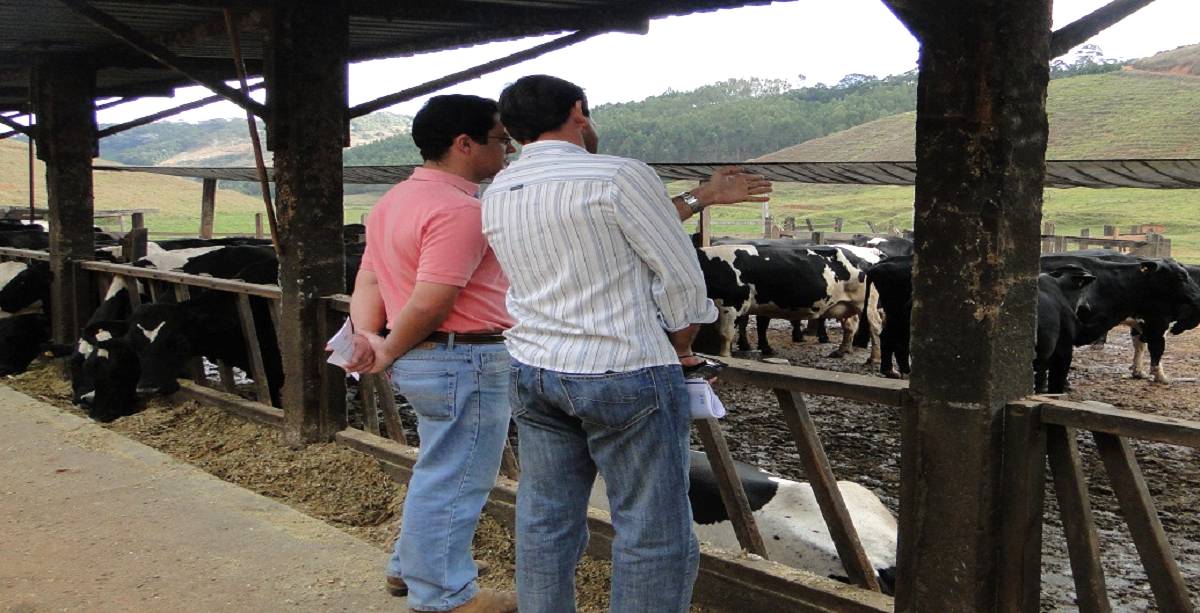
<point x="429" y="228"/>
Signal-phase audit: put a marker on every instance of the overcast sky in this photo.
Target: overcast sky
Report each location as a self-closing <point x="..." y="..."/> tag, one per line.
<point x="821" y="40"/>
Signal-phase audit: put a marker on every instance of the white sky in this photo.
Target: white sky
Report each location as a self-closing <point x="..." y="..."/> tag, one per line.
<point x="822" y="40"/>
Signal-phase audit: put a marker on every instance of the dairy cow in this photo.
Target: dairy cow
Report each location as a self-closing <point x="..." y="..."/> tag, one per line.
<point x="891" y="281"/>
<point x="21" y="338"/>
<point x="24" y="288"/>
<point x="1150" y="292"/>
<point x="110" y="368"/>
<point x="789" y="283"/>
<point x="1060" y="294"/>
<point x="789" y="519"/>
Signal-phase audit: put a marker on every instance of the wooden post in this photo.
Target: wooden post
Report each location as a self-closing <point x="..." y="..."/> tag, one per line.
<point x="818" y="238"/>
<point x="253" y="351"/>
<point x="1110" y="231"/>
<point x="980" y="143"/>
<point x="1170" y="591"/>
<point x="825" y="490"/>
<point x="66" y="138"/>
<point x="837" y="224"/>
<point x="362" y="219"/>
<point x="1083" y="543"/>
<point x="789" y="225"/>
<point x="705" y="227"/>
<point x="208" y="207"/>
<point x="258" y="225"/>
<point x="194" y="366"/>
<point x="307" y="95"/>
<point x="733" y="494"/>
<point x="1021" y="537"/>
<point x="768" y="228"/>
<point x="808" y="222"/>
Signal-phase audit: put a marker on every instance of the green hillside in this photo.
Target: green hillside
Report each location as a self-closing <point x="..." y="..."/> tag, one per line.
<point x="177" y="199"/>
<point x="1126" y="114"/>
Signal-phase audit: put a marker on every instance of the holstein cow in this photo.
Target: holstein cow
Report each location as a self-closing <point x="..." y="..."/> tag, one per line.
<point x="1152" y="292"/>
<point x="24" y="288"/>
<point x="789" y="283"/>
<point x="789" y="519"/>
<point x="166" y="335"/>
<point x="1060" y="294"/>
<point x="108" y="321"/>
<point x="110" y="367"/>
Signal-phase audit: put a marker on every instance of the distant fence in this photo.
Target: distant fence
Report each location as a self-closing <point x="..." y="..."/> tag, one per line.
<point x="802" y="228"/>
<point x="1145" y="240"/>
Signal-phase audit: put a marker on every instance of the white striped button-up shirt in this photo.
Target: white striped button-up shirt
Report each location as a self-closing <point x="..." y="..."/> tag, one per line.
<point x="598" y="264"/>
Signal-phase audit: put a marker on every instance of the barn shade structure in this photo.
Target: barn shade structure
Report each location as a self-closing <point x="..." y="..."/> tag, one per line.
<point x="970" y="512"/>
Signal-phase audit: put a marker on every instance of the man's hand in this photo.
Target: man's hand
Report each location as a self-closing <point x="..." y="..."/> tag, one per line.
<point x="363" y="357"/>
<point x="380" y="351"/>
<point x="730" y="185"/>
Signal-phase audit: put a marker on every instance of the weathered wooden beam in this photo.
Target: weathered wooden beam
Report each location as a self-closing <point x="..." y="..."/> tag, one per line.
<point x="980" y="146"/>
<point x="194" y="366"/>
<point x="229" y="285"/>
<point x="1083" y="542"/>
<point x="863" y="388"/>
<point x="733" y="493"/>
<point x="159" y="53"/>
<point x="471" y="73"/>
<point x="253" y="351"/>
<point x="1099" y="418"/>
<point x="1079" y="31"/>
<point x="825" y="490"/>
<point x="1170" y="591"/>
<point x="1021" y="522"/>
<point x="208" y="207"/>
<point x="306" y="85"/>
<point x="387" y="403"/>
<point x="66" y="138"/>
<point x="163" y="114"/>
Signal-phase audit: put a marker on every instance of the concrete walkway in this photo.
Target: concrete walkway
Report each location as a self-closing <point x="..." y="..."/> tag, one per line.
<point x="92" y="521"/>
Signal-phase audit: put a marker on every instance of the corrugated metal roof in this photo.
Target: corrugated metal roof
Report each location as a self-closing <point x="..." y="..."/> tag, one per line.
<point x="1148" y="174"/>
<point x="30" y="29"/>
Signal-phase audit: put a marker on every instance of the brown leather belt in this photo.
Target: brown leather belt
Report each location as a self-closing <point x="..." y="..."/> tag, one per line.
<point x="465" y="338"/>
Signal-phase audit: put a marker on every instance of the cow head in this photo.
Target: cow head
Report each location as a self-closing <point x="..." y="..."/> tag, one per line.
<point x="160" y="336"/>
<point x="21" y="338"/>
<point x="27" y="287"/>
<point x="1072" y="280"/>
<point x="111" y="369"/>
<point x="1169" y="281"/>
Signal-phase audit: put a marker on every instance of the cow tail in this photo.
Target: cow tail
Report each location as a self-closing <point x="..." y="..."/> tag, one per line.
<point x="862" y="336"/>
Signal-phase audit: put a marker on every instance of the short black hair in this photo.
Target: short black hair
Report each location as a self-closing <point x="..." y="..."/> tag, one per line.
<point x="537" y="104"/>
<point x="443" y="118"/>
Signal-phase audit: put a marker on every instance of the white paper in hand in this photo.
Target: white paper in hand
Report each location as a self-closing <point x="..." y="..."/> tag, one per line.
<point x="703" y="400"/>
<point x="342" y="347"/>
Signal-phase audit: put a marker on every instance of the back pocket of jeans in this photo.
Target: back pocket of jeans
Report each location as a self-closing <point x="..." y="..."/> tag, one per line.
<point x="612" y="400"/>
<point x="431" y="393"/>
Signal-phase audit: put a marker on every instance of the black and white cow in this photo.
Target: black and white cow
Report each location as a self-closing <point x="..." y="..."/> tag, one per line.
<point x="891" y="280"/>
<point x="110" y="368"/>
<point x="1060" y="294"/>
<point x="789" y="283"/>
<point x="108" y="321"/>
<point x="24" y="288"/>
<point x="1151" y="292"/>
<point x="789" y="519"/>
<point x="165" y="335"/>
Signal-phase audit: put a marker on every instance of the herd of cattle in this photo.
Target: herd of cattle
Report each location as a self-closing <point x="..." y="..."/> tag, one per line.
<point x="1082" y="295"/>
<point x="866" y="285"/>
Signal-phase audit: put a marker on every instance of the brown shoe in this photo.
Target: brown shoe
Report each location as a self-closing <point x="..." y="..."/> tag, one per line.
<point x="489" y="601"/>
<point x="397" y="587"/>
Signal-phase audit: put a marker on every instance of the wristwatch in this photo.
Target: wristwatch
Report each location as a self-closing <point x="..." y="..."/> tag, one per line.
<point x="691" y="201"/>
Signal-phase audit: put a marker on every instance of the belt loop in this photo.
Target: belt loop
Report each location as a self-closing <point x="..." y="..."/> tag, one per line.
<point x="450" y="342"/>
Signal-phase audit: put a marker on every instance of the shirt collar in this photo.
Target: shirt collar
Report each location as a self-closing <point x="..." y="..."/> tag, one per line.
<point x="550" y="147"/>
<point x="422" y="173"/>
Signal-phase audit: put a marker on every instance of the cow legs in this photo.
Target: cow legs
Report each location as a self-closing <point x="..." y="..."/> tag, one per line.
<point x="1139" y="351"/>
<point x="1154" y="335"/>
<point x="874" y="325"/>
<point x="763" y="323"/>
<point x="743" y="342"/>
<point x="849" y="327"/>
<point x="797" y="330"/>
<point x="822" y="332"/>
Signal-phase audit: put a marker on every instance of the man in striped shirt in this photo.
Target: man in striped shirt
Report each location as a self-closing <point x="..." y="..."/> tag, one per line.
<point x="607" y="294"/>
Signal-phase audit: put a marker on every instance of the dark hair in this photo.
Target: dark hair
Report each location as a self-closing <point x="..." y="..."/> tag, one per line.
<point x="443" y="118"/>
<point x="537" y="104"/>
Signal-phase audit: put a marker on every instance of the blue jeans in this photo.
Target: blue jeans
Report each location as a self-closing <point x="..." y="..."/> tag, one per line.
<point x="460" y="395"/>
<point x="632" y="427"/>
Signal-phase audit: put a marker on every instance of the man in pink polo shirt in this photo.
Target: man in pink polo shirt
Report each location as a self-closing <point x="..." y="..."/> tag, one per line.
<point x="429" y="273"/>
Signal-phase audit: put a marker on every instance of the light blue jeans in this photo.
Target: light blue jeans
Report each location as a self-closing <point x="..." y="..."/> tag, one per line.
<point x="632" y="427"/>
<point x="460" y="395"/>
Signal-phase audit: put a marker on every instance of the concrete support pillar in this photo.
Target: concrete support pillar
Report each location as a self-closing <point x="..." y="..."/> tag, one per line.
<point x="66" y="138"/>
<point x="307" y="97"/>
<point x="980" y="149"/>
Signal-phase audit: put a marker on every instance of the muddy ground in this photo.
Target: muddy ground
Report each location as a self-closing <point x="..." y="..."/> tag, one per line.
<point x="863" y="444"/>
<point x="350" y="491"/>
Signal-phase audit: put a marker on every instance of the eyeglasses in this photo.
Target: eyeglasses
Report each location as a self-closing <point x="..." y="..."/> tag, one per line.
<point x="506" y="141"/>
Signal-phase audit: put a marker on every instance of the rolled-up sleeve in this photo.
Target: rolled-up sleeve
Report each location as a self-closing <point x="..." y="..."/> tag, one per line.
<point x="650" y="223"/>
